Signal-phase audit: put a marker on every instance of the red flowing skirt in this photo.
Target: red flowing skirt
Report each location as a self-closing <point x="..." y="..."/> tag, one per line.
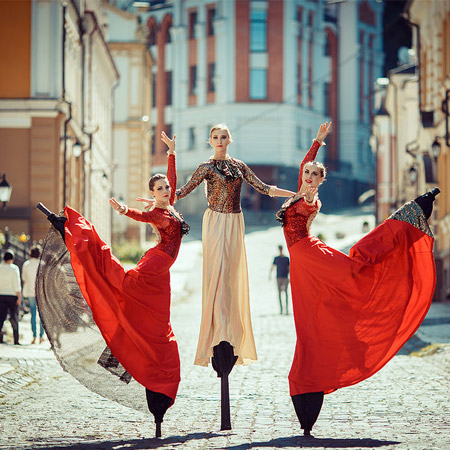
<point x="353" y="313"/>
<point x="131" y="308"/>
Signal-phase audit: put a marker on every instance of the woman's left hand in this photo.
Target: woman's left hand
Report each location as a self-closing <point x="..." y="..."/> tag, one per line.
<point x="310" y="194"/>
<point x="150" y="202"/>
<point x="169" y="142"/>
<point x="323" y="131"/>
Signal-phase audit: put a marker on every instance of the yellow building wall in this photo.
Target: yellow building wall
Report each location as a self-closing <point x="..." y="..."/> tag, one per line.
<point x="15" y="48"/>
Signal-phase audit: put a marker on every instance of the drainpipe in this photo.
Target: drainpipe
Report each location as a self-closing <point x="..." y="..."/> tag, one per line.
<point x="63" y="86"/>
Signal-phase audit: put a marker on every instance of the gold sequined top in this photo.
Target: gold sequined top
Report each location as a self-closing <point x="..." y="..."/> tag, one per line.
<point x="224" y="180"/>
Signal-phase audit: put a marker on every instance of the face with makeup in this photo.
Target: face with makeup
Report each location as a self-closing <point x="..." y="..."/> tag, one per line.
<point x="312" y="176"/>
<point x="219" y="140"/>
<point x="161" y="191"/>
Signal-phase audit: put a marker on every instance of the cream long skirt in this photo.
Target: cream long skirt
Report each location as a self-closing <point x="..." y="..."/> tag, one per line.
<point x="225" y="294"/>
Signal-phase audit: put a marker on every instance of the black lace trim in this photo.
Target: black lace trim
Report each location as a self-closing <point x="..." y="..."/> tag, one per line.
<point x="281" y="213"/>
<point x="228" y="167"/>
<point x="184" y="225"/>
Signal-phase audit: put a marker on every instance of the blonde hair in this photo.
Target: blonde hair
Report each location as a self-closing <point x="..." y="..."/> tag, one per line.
<point x="220" y="126"/>
<point x="320" y="166"/>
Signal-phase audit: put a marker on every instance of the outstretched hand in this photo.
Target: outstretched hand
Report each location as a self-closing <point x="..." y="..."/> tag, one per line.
<point x="150" y="202"/>
<point x="323" y="131"/>
<point x="116" y="205"/>
<point x="310" y="194"/>
<point x="169" y="142"/>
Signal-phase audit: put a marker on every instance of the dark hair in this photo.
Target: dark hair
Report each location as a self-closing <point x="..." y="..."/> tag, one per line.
<point x="154" y="179"/>
<point x="35" y="252"/>
<point x="8" y="256"/>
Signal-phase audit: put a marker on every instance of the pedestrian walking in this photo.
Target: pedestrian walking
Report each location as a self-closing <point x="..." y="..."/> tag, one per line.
<point x="132" y="307"/>
<point x="10" y="294"/>
<point x="29" y="271"/>
<point x="352" y="313"/>
<point x="281" y="264"/>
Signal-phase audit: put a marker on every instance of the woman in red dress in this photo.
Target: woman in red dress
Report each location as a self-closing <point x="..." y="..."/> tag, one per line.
<point x="132" y="307"/>
<point x="352" y="313"/>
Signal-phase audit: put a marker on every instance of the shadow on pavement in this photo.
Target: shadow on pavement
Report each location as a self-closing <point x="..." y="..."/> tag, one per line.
<point x="310" y="442"/>
<point x="133" y="444"/>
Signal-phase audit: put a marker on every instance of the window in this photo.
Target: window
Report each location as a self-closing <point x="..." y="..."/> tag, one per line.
<point x="258" y="30"/>
<point x="151" y="36"/>
<point x="153" y="90"/>
<point x="258" y="84"/>
<point x="210" y="16"/>
<point x="153" y="146"/>
<point x="298" y="137"/>
<point x="168" y="130"/>
<point x="167" y="38"/>
<point x="326" y="99"/>
<point x="168" y="88"/>
<point x="193" y="80"/>
<point x="191" y="24"/>
<point x="191" y="143"/>
<point x="211" y="74"/>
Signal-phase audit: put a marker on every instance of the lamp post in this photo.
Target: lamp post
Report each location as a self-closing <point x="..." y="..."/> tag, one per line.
<point x="5" y="191"/>
<point x="435" y="151"/>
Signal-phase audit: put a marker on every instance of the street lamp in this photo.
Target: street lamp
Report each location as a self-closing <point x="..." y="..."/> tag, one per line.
<point x="435" y="148"/>
<point x="413" y="174"/>
<point x="5" y="191"/>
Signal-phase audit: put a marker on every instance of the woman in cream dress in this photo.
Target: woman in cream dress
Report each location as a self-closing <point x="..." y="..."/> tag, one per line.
<point x="225" y="292"/>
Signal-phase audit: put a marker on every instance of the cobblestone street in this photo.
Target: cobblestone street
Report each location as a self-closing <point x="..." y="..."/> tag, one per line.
<point x="404" y="406"/>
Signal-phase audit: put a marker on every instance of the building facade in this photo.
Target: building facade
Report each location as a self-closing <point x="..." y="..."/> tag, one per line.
<point x="56" y="89"/>
<point x="127" y="40"/>
<point x="272" y="70"/>
<point x="411" y="133"/>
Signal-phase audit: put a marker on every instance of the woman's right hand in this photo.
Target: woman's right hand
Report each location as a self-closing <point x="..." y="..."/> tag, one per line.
<point x="150" y="202"/>
<point x="169" y="142"/>
<point x="116" y="205"/>
<point x="310" y="194"/>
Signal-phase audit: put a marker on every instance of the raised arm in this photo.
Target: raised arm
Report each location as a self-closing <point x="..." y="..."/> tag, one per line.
<point x="197" y="177"/>
<point x="251" y="178"/>
<point x="172" y="176"/>
<point x="322" y="133"/>
<point x="171" y="164"/>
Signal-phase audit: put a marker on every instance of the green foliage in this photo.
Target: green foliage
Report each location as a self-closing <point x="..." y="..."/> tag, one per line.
<point x="128" y="251"/>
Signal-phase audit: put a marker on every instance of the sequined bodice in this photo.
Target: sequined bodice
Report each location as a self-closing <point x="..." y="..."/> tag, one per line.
<point x="297" y="220"/>
<point x="168" y="223"/>
<point x="224" y="180"/>
<point x="167" y="226"/>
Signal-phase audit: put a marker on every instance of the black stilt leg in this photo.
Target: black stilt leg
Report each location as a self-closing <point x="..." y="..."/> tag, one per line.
<point x="158" y="430"/>
<point x="223" y="361"/>
<point x="225" y="423"/>
<point x="426" y="200"/>
<point x="57" y="221"/>
<point x="307" y="407"/>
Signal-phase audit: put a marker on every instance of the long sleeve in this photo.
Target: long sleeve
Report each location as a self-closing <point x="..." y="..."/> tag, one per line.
<point x="197" y="177"/>
<point x="144" y="216"/>
<point x="253" y="180"/>
<point x="172" y="177"/>
<point x="309" y="157"/>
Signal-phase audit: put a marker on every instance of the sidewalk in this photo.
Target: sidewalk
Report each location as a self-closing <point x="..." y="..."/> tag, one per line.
<point x="405" y="406"/>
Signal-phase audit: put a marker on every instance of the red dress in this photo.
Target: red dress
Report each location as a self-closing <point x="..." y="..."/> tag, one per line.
<point x="353" y="313"/>
<point x="132" y="307"/>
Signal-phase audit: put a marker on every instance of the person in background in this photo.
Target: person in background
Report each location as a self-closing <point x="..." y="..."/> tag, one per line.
<point x="281" y="262"/>
<point x="29" y="271"/>
<point x="10" y="296"/>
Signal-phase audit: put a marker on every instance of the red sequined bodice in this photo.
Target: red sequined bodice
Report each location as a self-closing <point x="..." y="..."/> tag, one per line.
<point x="297" y="220"/>
<point x="168" y="222"/>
